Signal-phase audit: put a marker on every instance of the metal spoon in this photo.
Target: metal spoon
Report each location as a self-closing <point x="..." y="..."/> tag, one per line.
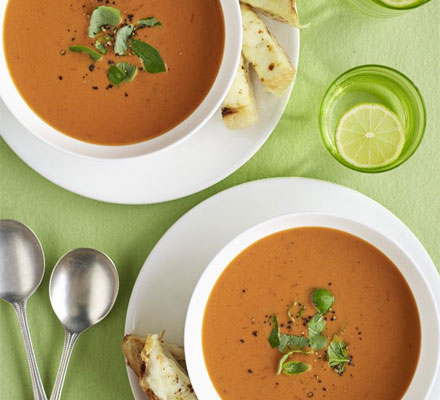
<point x="82" y="289"/>
<point x="21" y="273"/>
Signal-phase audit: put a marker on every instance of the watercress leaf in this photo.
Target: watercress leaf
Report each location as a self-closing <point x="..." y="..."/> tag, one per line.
<point x="129" y="70"/>
<point x="116" y="75"/>
<point x="274" y="337"/>
<point x="121" y="42"/>
<point x="282" y="361"/>
<point x="151" y="58"/>
<point x="100" y="47"/>
<point x="94" y="55"/>
<point x="316" y="326"/>
<point x="337" y="354"/>
<point x="318" y="342"/>
<point x="322" y="300"/>
<point x="295" y="368"/>
<point x="149" y="22"/>
<point x="103" y="16"/>
<point x="289" y="342"/>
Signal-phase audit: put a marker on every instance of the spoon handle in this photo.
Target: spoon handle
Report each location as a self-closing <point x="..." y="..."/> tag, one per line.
<point x="69" y="343"/>
<point x="37" y="385"/>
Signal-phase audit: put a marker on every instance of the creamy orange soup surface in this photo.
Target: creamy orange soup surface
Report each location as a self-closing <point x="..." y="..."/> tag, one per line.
<point x="73" y="97"/>
<point x="374" y="312"/>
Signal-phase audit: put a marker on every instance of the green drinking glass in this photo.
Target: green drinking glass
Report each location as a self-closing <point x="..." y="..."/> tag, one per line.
<point x="386" y="8"/>
<point x="372" y="118"/>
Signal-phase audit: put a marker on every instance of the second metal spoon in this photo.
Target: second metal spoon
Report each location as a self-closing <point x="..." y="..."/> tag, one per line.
<point x="82" y="289"/>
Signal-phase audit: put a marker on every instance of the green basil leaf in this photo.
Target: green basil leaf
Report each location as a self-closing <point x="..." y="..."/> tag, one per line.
<point x="295" y="368"/>
<point x="299" y="314"/>
<point x="322" y="300"/>
<point x="129" y="70"/>
<point x="94" y="55"/>
<point x="149" y="22"/>
<point x="103" y="16"/>
<point x="151" y="58"/>
<point x="289" y="342"/>
<point x="100" y="47"/>
<point x="337" y="354"/>
<point x="116" y="75"/>
<point x="274" y="337"/>
<point x="121" y="42"/>
<point x="316" y="326"/>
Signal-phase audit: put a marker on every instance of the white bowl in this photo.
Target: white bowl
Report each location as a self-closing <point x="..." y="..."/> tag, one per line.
<point x="428" y="364"/>
<point x="228" y="68"/>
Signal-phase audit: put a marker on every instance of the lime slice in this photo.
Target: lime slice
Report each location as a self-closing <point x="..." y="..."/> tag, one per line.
<point x="369" y="136"/>
<point x="400" y="3"/>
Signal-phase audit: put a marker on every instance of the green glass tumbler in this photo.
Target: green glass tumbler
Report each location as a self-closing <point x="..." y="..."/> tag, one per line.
<point x="380" y="85"/>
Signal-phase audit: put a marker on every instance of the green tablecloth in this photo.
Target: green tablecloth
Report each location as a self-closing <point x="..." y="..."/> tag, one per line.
<point x="339" y="38"/>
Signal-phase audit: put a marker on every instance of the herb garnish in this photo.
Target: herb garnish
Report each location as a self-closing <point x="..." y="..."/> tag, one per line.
<point x="322" y="300"/>
<point x="292" y="367"/>
<point x="316" y="326"/>
<point x="295" y="368"/>
<point x="289" y="342"/>
<point x="100" y="47"/>
<point x="337" y="354"/>
<point x="121" y="45"/>
<point x="103" y="16"/>
<point x="274" y="337"/>
<point x="122" y="72"/>
<point x="104" y="27"/>
<point x="149" y="22"/>
<point x="94" y="55"/>
<point x="150" y="57"/>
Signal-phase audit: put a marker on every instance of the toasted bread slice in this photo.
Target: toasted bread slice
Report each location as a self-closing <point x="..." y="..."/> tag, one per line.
<point x="239" y="110"/>
<point x="263" y="52"/>
<point x="281" y="10"/>
<point x="132" y="346"/>
<point x="163" y="378"/>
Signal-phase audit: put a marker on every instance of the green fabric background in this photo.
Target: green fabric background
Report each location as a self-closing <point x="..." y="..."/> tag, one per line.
<point x="338" y="39"/>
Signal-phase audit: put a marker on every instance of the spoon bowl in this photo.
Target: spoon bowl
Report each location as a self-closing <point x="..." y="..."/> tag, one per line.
<point x="21" y="262"/>
<point x="82" y="290"/>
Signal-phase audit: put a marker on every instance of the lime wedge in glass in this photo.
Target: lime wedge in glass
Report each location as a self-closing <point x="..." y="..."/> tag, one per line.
<point x="369" y="136"/>
<point x="400" y="3"/>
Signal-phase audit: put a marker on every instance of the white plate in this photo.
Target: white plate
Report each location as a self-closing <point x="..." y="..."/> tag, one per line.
<point x="207" y="157"/>
<point x="164" y="286"/>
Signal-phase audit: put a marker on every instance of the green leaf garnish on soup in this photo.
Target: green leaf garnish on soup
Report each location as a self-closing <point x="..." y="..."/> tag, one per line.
<point x="121" y="43"/>
<point x="94" y="55"/>
<point x="295" y="368"/>
<point x="129" y="70"/>
<point x="116" y="75"/>
<point x="100" y="47"/>
<point x="316" y="326"/>
<point x="151" y="58"/>
<point x="149" y="22"/>
<point x="122" y="72"/>
<point x="337" y="354"/>
<point x="322" y="300"/>
<point x="286" y="356"/>
<point x="103" y="16"/>
<point x="291" y="342"/>
<point x="274" y="337"/>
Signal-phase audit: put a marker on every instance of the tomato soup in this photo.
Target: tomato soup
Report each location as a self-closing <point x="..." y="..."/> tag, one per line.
<point x="374" y="313"/>
<point x="73" y="94"/>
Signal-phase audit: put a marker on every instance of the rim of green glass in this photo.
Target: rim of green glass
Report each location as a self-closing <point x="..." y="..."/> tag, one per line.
<point x="395" y="164"/>
<point x="409" y="7"/>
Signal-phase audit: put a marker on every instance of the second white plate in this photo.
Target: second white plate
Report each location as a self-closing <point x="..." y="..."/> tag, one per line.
<point x="165" y="284"/>
<point x="207" y="157"/>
